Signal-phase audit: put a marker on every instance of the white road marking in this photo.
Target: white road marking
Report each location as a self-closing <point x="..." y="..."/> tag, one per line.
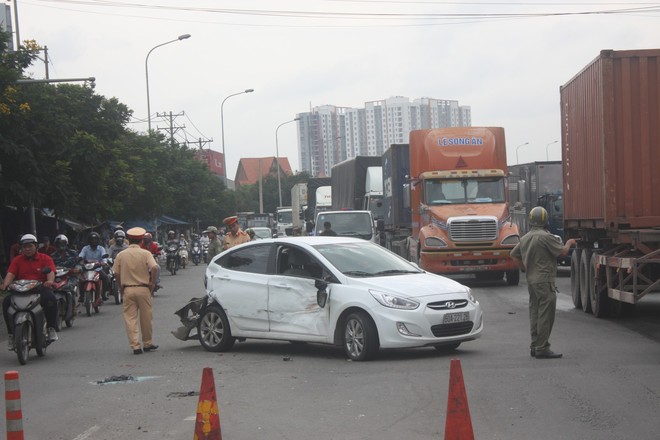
<point x="87" y="433"/>
<point x="190" y="418"/>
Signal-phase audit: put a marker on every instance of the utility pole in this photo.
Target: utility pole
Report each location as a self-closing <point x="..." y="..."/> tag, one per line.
<point x="201" y="143"/>
<point x="172" y="129"/>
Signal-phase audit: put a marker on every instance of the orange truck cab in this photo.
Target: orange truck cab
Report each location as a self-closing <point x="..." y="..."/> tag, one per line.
<point x="459" y="203"/>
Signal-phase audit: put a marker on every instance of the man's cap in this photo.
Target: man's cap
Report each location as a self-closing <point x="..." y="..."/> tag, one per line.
<point x="230" y="220"/>
<point x="212" y="229"/>
<point x="136" y="233"/>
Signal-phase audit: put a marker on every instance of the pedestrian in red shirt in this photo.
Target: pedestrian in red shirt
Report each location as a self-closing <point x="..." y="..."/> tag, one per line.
<point x="29" y="266"/>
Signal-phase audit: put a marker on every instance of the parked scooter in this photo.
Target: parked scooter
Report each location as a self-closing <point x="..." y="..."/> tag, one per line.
<point x="30" y="330"/>
<point x="172" y="258"/>
<point x="196" y="252"/>
<point x="92" y="285"/>
<point x="65" y="288"/>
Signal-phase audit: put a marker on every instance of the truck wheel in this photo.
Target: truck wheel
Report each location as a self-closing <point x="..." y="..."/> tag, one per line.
<point x="512" y="277"/>
<point x="598" y="290"/>
<point x="575" y="278"/>
<point x="585" y="282"/>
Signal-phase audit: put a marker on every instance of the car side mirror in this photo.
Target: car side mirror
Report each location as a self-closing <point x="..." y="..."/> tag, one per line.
<point x="105" y="255"/>
<point x="321" y="294"/>
<point x="380" y="225"/>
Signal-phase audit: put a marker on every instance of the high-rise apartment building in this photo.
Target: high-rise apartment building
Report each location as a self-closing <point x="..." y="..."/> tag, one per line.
<point x="328" y="134"/>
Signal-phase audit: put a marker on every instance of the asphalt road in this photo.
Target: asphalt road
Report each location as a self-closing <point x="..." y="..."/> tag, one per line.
<point x="606" y="387"/>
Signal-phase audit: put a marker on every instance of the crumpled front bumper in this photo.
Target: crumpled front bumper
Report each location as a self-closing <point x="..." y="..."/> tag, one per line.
<point x="189" y="315"/>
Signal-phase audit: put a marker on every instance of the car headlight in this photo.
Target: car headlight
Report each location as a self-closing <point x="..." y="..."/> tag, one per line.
<point x="434" y="242"/>
<point x="511" y="240"/>
<point x="469" y="294"/>
<point x="393" y="301"/>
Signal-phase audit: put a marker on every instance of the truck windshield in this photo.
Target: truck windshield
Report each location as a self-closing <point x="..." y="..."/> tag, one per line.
<point x="284" y="217"/>
<point x="461" y="191"/>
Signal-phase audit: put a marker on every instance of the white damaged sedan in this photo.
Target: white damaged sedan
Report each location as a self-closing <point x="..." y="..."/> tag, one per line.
<point x="341" y="291"/>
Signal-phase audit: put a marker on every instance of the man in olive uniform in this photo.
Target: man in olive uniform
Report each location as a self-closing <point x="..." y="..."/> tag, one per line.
<point x="136" y="272"/>
<point x="215" y="245"/>
<point x="235" y="235"/>
<point x="536" y="255"/>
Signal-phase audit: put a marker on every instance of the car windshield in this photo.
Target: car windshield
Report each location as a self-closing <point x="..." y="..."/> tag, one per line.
<point x="365" y="259"/>
<point x="347" y="224"/>
<point x="461" y="191"/>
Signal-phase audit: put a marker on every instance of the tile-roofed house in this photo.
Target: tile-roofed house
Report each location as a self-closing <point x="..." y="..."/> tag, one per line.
<point x="247" y="172"/>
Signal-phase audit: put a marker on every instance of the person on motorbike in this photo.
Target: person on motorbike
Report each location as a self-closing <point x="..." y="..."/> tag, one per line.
<point x="149" y="244"/>
<point x="63" y="256"/>
<point x="28" y="266"/>
<point x="95" y="252"/>
<point x="114" y="235"/>
<point x="119" y="244"/>
<point x="183" y="242"/>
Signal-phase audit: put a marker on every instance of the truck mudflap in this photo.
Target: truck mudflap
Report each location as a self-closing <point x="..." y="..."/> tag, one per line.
<point x="467" y="261"/>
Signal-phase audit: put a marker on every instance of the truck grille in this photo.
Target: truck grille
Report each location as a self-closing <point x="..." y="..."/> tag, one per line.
<point x="473" y="230"/>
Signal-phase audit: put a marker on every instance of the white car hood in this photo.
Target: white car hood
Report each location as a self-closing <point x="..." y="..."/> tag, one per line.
<point x="413" y="285"/>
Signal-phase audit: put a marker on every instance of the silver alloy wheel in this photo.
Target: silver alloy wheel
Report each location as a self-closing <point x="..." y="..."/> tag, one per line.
<point x="211" y="329"/>
<point x="354" y="338"/>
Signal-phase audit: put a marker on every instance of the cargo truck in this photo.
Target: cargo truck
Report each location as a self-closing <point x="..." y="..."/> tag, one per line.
<point x="610" y="128"/>
<point x="456" y="196"/>
<point x="298" y="205"/>
<point x="357" y="183"/>
<point x="319" y="197"/>
<point x="537" y="184"/>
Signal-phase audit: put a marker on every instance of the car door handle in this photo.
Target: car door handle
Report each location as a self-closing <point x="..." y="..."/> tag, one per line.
<point x="282" y="286"/>
<point x="223" y="278"/>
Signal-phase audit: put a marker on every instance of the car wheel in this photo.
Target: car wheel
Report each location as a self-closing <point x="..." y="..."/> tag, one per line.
<point x="360" y="337"/>
<point x="213" y="330"/>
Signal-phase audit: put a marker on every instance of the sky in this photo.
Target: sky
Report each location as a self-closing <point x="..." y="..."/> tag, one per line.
<point x="506" y="60"/>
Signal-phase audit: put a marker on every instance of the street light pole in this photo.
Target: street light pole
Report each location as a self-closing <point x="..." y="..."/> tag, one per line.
<point x="277" y="158"/>
<point x="222" y="128"/>
<point x="517" y="148"/>
<point x="146" y="70"/>
<point x="546" y="149"/>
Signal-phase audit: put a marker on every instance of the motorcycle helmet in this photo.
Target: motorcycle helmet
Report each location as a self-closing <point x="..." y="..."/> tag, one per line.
<point x="120" y="234"/>
<point x="171" y="234"/>
<point x="148" y="236"/>
<point x="27" y="239"/>
<point x="94" y="239"/>
<point x="61" y="241"/>
<point x="538" y="216"/>
<point x="250" y="232"/>
<point x="212" y="229"/>
<point x="182" y="236"/>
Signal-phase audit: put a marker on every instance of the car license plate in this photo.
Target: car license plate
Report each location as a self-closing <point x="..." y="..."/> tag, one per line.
<point x="451" y="318"/>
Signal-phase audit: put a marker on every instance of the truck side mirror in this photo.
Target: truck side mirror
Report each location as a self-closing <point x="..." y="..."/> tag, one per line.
<point x="380" y="225"/>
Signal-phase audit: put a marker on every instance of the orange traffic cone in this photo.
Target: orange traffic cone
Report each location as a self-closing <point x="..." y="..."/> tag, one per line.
<point x="207" y="426"/>
<point x="458" y="425"/>
<point x="13" y="412"/>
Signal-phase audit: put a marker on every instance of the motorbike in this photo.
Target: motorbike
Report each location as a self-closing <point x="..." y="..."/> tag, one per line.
<point x="114" y="288"/>
<point x="30" y="330"/>
<point x="205" y="252"/>
<point x="172" y="258"/>
<point x="65" y="289"/>
<point x="92" y="285"/>
<point x="183" y="256"/>
<point x="196" y="252"/>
